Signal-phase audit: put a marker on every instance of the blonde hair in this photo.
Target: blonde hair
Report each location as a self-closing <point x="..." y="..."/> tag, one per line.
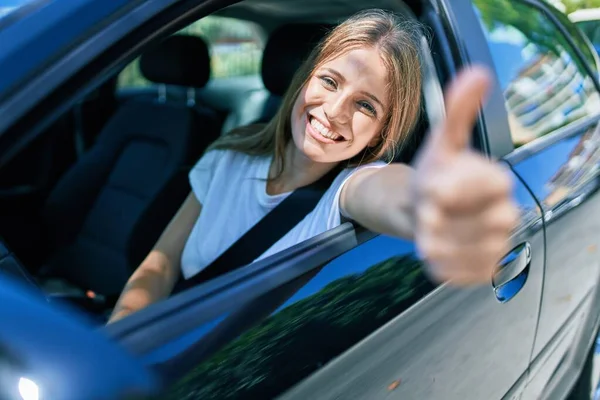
<point x="397" y="42"/>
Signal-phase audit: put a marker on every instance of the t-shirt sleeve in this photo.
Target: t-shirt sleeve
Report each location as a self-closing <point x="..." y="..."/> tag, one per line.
<point x="336" y="215"/>
<point x="202" y="174"/>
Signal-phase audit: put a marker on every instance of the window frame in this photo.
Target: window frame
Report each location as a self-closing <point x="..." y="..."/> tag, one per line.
<point x="472" y="48"/>
<point x="99" y="54"/>
<point x="515" y="155"/>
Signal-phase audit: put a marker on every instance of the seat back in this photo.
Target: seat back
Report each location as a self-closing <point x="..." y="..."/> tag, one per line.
<point x="109" y="209"/>
<point x="287" y="48"/>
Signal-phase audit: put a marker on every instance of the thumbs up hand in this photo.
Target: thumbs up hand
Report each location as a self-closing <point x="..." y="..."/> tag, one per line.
<point x="463" y="208"/>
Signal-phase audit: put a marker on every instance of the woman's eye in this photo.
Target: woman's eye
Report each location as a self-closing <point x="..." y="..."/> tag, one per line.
<point x="327" y="81"/>
<point x="368" y="107"/>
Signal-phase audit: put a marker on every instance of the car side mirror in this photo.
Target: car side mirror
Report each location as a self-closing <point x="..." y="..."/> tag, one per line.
<point x="53" y="352"/>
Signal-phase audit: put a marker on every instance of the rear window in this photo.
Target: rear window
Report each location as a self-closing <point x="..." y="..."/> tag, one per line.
<point x="235" y="46"/>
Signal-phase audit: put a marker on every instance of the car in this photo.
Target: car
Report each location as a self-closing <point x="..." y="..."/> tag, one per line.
<point x="106" y="105"/>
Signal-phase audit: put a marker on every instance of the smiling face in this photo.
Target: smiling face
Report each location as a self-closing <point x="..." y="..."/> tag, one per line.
<point x="342" y="108"/>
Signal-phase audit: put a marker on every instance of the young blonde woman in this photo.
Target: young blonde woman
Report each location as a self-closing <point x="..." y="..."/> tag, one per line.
<point x="355" y="99"/>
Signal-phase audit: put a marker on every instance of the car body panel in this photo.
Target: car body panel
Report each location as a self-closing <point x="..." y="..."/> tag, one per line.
<point x="60" y="353"/>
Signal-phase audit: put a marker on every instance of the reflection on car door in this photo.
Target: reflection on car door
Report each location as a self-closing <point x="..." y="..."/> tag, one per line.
<point x="553" y="107"/>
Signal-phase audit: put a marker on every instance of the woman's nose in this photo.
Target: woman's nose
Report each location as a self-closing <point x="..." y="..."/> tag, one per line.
<point x="336" y="109"/>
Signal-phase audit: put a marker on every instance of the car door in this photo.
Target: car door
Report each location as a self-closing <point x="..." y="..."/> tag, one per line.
<point x="351" y="315"/>
<point x="551" y="96"/>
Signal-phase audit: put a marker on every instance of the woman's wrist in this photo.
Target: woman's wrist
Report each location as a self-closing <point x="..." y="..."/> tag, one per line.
<point x="119" y="313"/>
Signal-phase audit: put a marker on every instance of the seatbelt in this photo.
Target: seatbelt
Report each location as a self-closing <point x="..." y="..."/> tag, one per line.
<point x="272" y="227"/>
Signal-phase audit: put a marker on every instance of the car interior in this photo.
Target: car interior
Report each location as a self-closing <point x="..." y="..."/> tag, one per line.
<point x="85" y="201"/>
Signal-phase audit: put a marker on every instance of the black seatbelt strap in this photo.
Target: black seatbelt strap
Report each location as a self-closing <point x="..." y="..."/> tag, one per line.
<point x="265" y="233"/>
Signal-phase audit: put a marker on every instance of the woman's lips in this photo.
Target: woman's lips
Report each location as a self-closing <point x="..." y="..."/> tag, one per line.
<point x="316" y="135"/>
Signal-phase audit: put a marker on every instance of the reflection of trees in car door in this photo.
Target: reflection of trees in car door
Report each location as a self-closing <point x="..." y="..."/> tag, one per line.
<point x="329" y="313"/>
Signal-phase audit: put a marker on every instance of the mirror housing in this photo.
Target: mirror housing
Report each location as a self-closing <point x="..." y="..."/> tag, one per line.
<point x="53" y="352"/>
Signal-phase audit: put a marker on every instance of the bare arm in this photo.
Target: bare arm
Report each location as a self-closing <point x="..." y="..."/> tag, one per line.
<point x="457" y="205"/>
<point x="156" y="276"/>
<point x="379" y="199"/>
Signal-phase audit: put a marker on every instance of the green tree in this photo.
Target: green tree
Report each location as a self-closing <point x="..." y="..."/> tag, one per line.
<point x="215" y="30"/>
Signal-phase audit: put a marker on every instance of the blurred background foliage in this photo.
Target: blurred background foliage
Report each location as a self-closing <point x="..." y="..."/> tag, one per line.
<point x="574" y="5"/>
<point x="235" y="46"/>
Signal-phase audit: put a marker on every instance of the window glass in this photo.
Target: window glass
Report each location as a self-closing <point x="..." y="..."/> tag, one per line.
<point x="545" y="85"/>
<point x="592" y="30"/>
<point x="235" y="47"/>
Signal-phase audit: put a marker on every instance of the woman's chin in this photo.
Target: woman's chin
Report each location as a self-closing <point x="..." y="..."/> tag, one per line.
<point x="314" y="150"/>
<point x="318" y="154"/>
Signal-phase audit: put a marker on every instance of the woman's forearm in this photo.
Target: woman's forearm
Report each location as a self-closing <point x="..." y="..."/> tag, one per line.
<point x="380" y="200"/>
<point x="151" y="282"/>
<point x="155" y="278"/>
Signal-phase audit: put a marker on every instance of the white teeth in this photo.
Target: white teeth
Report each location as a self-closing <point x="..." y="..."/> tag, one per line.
<point x="319" y="127"/>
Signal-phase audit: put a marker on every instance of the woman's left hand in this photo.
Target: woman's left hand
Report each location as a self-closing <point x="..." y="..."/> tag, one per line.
<point x="463" y="208"/>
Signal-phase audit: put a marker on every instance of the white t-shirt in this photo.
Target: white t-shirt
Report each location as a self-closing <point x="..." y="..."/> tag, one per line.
<point x="231" y="187"/>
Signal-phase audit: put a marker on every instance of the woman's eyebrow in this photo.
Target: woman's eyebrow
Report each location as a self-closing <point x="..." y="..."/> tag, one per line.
<point x="336" y="73"/>
<point x="373" y="97"/>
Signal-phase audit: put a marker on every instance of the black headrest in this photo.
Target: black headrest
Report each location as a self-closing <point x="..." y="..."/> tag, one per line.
<point x="179" y="60"/>
<point x="287" y="48"/>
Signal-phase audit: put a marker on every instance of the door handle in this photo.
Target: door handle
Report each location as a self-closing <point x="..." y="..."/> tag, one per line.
<point x="512" y="272"/>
